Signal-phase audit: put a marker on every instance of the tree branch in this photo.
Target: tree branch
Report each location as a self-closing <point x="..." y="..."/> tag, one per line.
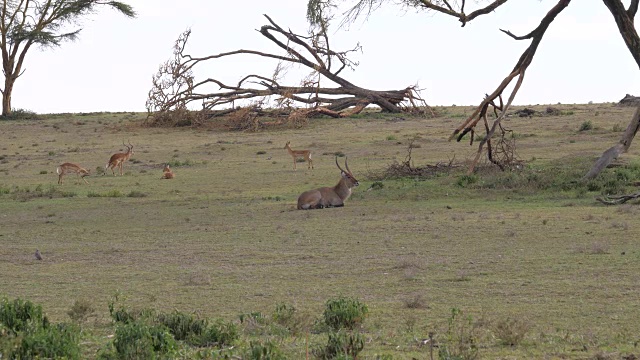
<point x="633" y="9"/>
<point x="518" y="72"/>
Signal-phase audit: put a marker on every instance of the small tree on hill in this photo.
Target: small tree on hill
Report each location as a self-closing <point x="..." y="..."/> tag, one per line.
<point x="26" y="23"/>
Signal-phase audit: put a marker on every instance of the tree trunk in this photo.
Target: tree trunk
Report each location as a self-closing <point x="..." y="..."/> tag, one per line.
<point x="621" y="147"/>
<point x="6" y="96"/>
<point x="624" y="21"/>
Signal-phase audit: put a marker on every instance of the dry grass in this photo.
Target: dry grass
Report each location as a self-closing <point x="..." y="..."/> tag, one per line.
<point x="224" y="238"/>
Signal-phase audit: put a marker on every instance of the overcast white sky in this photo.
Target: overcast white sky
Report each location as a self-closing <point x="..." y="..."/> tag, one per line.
<point x="582" y="57"/>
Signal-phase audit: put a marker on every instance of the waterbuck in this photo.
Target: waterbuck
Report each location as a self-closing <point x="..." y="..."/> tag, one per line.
<point x="329" y="196"/>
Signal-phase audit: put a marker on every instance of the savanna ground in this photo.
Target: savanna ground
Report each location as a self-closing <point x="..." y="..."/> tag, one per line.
<point x="223" y="238"/>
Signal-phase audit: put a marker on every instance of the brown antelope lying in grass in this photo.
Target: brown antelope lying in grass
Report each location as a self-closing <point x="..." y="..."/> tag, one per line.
<point x="67" y="168"/>
<point x="119" y="158"/>
<point x="167" y="173"/>
<point x="306" y="154"/>
<point x="329" y="196"/>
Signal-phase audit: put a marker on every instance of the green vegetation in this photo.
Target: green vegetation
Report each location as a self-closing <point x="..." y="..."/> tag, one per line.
<point x="533" y="265"/>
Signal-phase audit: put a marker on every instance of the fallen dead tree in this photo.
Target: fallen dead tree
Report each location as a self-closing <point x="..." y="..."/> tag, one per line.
<point x="175" y="87"/>
<point x="617" y="199"/>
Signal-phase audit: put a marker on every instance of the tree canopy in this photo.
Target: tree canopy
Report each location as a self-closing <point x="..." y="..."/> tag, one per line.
<point x="25" y="23"/>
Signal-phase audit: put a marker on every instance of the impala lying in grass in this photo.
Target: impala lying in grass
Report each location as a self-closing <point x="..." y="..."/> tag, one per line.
<point x="329" y="196"/>
<point x="167" y="173"/>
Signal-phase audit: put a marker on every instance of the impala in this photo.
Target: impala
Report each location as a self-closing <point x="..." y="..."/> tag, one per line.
<point x="306" y="154"/>
<point x="329" y="196"/>
<point x="67" y="168"/>
<point x="119" y="158"/>
<point x="167" y="173"/>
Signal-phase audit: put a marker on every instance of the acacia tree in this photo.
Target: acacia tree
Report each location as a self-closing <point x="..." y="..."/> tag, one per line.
<point x="25" y="23"/>
<point x="623" y="16"/>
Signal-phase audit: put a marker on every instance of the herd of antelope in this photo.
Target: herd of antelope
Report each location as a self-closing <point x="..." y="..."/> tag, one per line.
<point x="116" y="160"/>
<point x="323" y="197"/>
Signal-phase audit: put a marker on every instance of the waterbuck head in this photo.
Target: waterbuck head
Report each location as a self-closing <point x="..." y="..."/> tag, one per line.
<point x="329" y="196"/>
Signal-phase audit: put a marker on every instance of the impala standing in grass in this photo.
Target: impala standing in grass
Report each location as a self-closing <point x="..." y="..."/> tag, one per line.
<point x="329" y="196"/>
<point x="306" y="154"/>
<point x="67" y="168"/>
<point x="118" y="159"/>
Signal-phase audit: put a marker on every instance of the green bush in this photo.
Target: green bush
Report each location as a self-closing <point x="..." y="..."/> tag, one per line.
<point x="220" y="334"/>
<point x="284" y="314"/>
<point x="25" y="333"/>
<point x="21" y="114"/>
<point x="344" y="313"/>
<point x="259" y="350"/>
<point x="460" y="339"/>
<point x="80" y="310"/>
<point x="137" y="340"/>
<point x="21" y="316"/>
<point x="120" y="314"/>
<point x="199" y="332"/>
<point x="466" y="180"/>
<point x="586" y="126"/>
<point x="52" y="342"/>
<point x="511" y="331"/>
<point x="184" y="327"/>
<point x="341" y="344"/>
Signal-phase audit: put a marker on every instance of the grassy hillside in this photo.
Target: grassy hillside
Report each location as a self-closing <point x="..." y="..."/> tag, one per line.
<point x="223" y="238"/>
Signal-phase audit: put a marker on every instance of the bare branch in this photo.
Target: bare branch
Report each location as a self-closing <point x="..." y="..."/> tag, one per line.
<point x="633" y="9"/>
<point x="518" y="72"/>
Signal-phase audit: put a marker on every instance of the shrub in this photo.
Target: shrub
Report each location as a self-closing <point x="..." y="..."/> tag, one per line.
<point x="21" y="315"/>
<point x="136" y="194"/>
<point x="511" y="331"/>
<point x="466" y="180"/>
<point x="120" y="314"/>
<point x="27" y="334"/>
<point x="80" y="310"/>
<point x="341" y="344"/>
<point x="136" y="340"/>
<point x="52" y="342"/>
<point x="259" y="350"/>
<point x="377" y="185"/>
<point x="284" y="314"/>
<point x="344" y="313"/>
<point x="586" y="126"/>
<point x="21" y="114"/>
<point x="221" y="334"/>
<point x="197" y="332"/>
<point x="460" y="338"/>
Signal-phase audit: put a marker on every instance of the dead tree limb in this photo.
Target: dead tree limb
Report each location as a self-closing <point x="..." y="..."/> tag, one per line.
<point x="618" y="199"/>
<point x="174" y="86"/>
<point x="518" y="72"/>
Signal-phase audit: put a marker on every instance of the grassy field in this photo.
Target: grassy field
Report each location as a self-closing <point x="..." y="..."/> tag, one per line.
<point x="223" y="238"/>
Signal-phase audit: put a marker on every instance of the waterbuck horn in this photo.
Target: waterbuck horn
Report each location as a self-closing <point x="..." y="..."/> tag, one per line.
<point x="338" y="165"/>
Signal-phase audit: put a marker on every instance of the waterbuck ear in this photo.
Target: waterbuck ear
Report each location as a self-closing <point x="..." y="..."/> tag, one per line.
<point x="344" y="174"/>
